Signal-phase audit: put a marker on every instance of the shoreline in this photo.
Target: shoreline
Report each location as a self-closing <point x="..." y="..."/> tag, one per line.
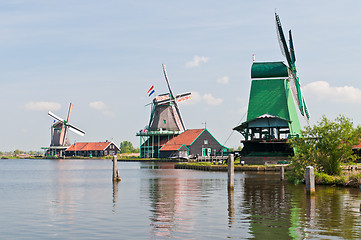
<point x="224" y="168"/>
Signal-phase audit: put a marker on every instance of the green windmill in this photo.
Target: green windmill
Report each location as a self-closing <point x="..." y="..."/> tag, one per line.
<point x="275" y="95"/>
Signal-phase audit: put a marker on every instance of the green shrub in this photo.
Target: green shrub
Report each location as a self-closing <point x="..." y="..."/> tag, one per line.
<point x="354" y="178"/>
<point x="293" y="177"/>
<point x="323" y="178"/>
<point x="341" y="180"/>
<point x="325" y="146"/>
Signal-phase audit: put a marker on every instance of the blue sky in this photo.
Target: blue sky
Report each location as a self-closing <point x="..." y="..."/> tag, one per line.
<point x="104" y="55"/>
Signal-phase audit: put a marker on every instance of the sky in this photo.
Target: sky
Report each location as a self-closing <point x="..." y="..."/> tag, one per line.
<point x="103" y="56"/>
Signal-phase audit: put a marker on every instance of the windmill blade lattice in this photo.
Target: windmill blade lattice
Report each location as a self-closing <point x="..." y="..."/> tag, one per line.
<point x="165" y="112"/>
<point x="176" y="111"/>
<point x="289" y="53"/>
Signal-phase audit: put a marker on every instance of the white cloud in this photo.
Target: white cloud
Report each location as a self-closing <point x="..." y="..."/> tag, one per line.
<point x="98" y="105"/>
<point x="223" y="80"/>
<point x="323" y="91"/>
<point x="101" y="106"/>
<point x="42" y="106"/>
<point x="210" y="100"/>
<point x="197" y="60"/>
<point x="196" y="98"/>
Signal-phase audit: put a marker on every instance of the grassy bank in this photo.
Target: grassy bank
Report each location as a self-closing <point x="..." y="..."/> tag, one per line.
<point x="348" y="178"/>
<point x="352" y="179"/>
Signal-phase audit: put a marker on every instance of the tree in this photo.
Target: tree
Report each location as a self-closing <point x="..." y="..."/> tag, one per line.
<point x="127" y="147"/>
<point x="325" y="146"/>
<point x="17" y="152"/>
<point x="239" y="148"/>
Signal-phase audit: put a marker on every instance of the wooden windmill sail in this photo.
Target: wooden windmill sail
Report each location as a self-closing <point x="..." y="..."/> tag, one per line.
<point x="294" y="81"/>
<point x="165" y="113"/>
<point x="59" y="136"/>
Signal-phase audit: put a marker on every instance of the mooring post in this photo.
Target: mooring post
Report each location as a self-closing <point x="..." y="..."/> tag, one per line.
<point x="115" y="169"/>
<point x="310" y="180"/>
<point x="282" y="173"/>
<point x="230" y="171"/>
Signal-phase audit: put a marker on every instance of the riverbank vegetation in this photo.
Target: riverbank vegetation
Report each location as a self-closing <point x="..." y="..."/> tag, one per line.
<point x="127" y="147"/>
<point x="18" y="154"/>
<point x="326" y="146"/>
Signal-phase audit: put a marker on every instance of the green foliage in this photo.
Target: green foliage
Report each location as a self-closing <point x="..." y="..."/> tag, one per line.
<point x="127" y="147"/>
<point x="351" y="180"/>
<point x="341" y="180"/>
<point x="325" y="146"/>
<point x="17" y="152"/>
<point x="294" y="177"/>
<point x="239" y="148"/>
<point x="355" y="178"/>
<point x="323" y="178"/>
<point x="198" y="164"/>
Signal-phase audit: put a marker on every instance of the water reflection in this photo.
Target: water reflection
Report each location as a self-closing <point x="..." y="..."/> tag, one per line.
<point x="163" y="204"/>
<point x="115" y="194"/>
<point x="231" y="211"/>
<point x="310" y="208"/>
<point x="171" y="210"/>
<point x="78" y="200"/>
<point x="330" y="212"/>
<point x="268" y="205"/>
<point x="63" y="202"/>
<point x="267" y="208"/>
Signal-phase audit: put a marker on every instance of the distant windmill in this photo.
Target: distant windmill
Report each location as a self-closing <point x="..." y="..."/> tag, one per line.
<point x="165" y="113"/>
<point x="59" y="136"/>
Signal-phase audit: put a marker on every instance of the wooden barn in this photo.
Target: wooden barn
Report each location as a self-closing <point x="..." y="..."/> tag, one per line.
<point x="192" y="142"/>
<point x="92" y="149"/>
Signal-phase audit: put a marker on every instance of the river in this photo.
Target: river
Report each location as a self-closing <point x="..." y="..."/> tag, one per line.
<point x="76" y="199"/>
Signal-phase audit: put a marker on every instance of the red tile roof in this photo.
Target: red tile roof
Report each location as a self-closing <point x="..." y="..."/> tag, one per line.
<point x="89" y="146"/>
<point x="186" y="138"/>
<point x="358" y="146"/>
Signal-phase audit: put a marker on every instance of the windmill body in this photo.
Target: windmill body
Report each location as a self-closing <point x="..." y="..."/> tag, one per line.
<point x="56" y="133"/>
<point x="165" y="122"/>
<point x="164" y="119"/>
<point x="275" y="98"/>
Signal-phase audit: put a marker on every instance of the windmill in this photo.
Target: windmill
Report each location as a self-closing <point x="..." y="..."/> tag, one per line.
<point x="165" y="113"/>
<point x="165" y="122"/>
<point x="272" y="117"/>
<point x="294" y="81"/>
<point x="59" y="136"/>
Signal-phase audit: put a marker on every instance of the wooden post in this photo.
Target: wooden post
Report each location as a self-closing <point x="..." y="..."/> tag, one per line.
<point x="230" y="171"/>
<point x="282" y="173"/>
<point x="310" y="180"/>
<point x="115" y="169"/>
